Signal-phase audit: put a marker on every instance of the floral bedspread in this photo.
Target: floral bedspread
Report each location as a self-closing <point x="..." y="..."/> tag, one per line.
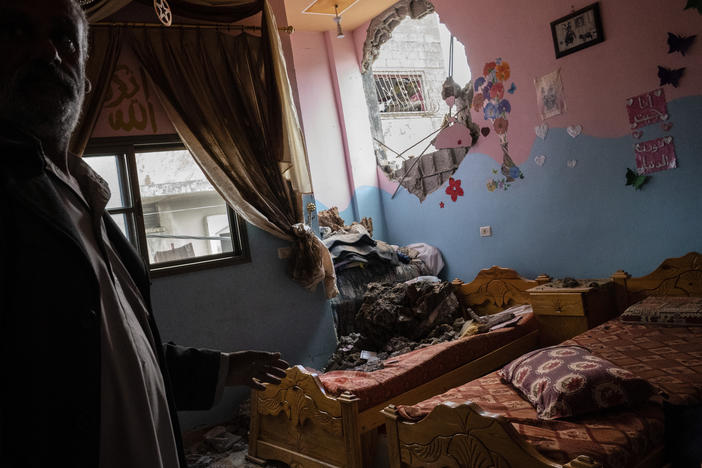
<point x="407" y="371"/>
<point x="668" y="357"/>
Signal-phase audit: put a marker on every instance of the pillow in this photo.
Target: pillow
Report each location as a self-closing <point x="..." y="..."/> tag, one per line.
<point x="665" y="310"/>
<point x="562" y="381"/>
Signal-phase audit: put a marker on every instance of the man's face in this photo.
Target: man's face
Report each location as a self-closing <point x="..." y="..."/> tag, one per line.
<point x="42" y="80"/>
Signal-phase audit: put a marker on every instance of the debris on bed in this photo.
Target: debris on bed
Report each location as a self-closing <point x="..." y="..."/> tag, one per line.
<point x="395" y="319"/>
<point x="569" y="282"/>
<point x="331" y="219"/>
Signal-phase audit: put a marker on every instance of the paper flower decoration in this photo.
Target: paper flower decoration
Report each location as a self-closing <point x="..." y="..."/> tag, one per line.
<point x="454" y="189"/>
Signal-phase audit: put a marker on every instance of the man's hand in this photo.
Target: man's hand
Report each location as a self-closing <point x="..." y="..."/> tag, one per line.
<point x="253" y="368"/>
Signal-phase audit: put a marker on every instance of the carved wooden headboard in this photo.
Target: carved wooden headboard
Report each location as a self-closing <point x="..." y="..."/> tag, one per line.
<point x="680" y="276"/>
<point x="495" y="289"/>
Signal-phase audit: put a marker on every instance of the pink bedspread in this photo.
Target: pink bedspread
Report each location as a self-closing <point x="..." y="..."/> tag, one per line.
<point x="407" y="371"/>
<point x="668" y="357"/>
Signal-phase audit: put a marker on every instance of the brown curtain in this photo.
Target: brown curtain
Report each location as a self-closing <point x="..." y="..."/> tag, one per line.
<point x="104" y="50"/>
<point x="225" y="11"/>
<point x="100" y="9"/>
<point x="232" y="108"/>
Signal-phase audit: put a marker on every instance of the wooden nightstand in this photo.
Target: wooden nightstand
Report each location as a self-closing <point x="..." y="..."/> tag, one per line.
<point x="563" y="312"/>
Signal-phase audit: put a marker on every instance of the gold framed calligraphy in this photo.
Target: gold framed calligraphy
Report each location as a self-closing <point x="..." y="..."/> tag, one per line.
<point x="655" y="155"/>
<point x="647" y="109"/>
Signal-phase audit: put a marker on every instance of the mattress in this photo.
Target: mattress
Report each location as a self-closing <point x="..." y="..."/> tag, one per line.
<point x="668" y="357"/>
<point x="407" y="371"/>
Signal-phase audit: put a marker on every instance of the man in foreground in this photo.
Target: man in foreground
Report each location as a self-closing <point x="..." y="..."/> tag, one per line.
<point x="86" y="381"/>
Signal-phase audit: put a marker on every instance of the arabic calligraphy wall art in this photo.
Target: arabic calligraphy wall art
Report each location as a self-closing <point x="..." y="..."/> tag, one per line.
<point x="655" y="155"/>
<point x="647" y="109"/>
<point x="128" y="101"/>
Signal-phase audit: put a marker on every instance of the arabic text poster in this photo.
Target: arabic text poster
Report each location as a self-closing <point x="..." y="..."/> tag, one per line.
<point x="647" y="109"/>
<point x="655" y="155"/>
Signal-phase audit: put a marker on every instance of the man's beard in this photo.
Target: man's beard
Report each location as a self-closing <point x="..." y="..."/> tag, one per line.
<point x="42" y="100"/>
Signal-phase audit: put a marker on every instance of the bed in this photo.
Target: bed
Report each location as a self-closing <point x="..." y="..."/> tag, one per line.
<point x="485" y="422"/>
<point x="331" y="420"/>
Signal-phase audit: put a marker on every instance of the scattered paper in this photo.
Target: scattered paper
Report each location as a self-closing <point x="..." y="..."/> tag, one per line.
<point x="572" y="163"/>
<point x="540" y="160"/>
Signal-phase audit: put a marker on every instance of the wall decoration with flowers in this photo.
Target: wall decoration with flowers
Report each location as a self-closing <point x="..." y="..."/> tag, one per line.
<point x="489" y="98"/>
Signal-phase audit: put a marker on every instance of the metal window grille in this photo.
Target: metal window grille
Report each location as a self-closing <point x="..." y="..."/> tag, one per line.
<point x="401" y="93"/>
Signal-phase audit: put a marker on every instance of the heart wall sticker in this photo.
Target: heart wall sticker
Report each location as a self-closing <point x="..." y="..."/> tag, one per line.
<point x="541" y="130"/>
<point x="574" y="130"/>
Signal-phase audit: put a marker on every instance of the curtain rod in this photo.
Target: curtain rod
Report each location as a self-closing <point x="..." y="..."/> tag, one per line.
<point x="235" y="27"/>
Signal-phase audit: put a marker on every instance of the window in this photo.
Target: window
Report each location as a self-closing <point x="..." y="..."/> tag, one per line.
<point x="400" y="92"/>
<point x="165" y="205"/>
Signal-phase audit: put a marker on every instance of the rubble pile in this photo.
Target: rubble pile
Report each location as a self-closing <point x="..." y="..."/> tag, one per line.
<point x="222" y="446"/>
<point x="395" y="319"/>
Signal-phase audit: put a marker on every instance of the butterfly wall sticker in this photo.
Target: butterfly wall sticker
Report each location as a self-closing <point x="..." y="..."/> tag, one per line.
<point x="697" y="4"/>
<point x="670" y="76"/>
<point x="679" y="43"/>
<point x="637" y="180"/>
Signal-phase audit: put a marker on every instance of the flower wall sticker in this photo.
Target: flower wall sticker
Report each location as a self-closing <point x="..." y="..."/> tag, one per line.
<point x="489" y="98"/>
<point x="454" y="189"/>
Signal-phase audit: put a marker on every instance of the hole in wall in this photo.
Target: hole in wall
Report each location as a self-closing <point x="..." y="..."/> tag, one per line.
<point x="417" y="84"/>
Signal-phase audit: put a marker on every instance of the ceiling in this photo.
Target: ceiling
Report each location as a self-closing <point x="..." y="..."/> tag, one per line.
<point x="353" y="13"/>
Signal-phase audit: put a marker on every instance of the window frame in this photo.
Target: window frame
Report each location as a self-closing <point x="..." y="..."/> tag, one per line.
<point x="125" y="149"/>
<point x="413" y="75"/>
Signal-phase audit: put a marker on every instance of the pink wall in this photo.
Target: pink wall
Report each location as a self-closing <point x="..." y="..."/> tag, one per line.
<point x="320" y="119"/>
<point x="334" y="116"/>
<point x="597" y="80"/>
<point x="355" y="110"/>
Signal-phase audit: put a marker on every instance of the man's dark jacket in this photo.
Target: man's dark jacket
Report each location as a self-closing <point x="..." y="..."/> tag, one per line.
<point x="49" y="319"/>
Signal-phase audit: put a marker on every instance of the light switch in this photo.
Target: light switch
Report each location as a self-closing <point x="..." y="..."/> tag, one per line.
<point x="485" y="231"/>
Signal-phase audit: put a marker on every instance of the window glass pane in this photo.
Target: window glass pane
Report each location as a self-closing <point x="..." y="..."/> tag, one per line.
<point x="121" y="220"/>
<point x="108" y="168"/>
<point x="184" y="216"/>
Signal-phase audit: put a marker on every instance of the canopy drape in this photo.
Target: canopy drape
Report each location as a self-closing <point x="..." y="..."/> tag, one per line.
<point x="105" y="46"/>
<point x="205" y="10"/>
<point x="230" y="101"/>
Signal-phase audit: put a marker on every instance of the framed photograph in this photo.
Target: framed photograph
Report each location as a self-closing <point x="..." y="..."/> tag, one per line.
<point x="577" y="30"/>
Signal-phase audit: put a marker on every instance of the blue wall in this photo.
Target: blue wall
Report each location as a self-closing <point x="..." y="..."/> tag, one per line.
<point x="250" y="306"/>
<point x="582" y="222"/>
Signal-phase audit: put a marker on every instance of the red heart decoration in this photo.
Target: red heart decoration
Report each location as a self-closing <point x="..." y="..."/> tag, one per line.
<point x="485" y="131"/>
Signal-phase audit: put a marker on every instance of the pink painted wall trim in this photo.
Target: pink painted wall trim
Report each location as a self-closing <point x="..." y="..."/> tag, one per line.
<point x="333" y="74"/>
<point x="320" y="120"/>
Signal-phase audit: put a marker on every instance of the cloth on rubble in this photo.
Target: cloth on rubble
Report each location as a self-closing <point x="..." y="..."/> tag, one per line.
<point x="354" y="246"/>
<point x="430" y="255"/>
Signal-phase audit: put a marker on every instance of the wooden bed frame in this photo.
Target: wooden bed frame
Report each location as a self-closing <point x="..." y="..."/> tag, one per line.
<point x="463" y="435"/>
<point x="298" y="423"/>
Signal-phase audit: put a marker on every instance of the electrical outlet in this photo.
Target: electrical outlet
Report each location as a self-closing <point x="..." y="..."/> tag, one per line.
<point x="485" y="231"/>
